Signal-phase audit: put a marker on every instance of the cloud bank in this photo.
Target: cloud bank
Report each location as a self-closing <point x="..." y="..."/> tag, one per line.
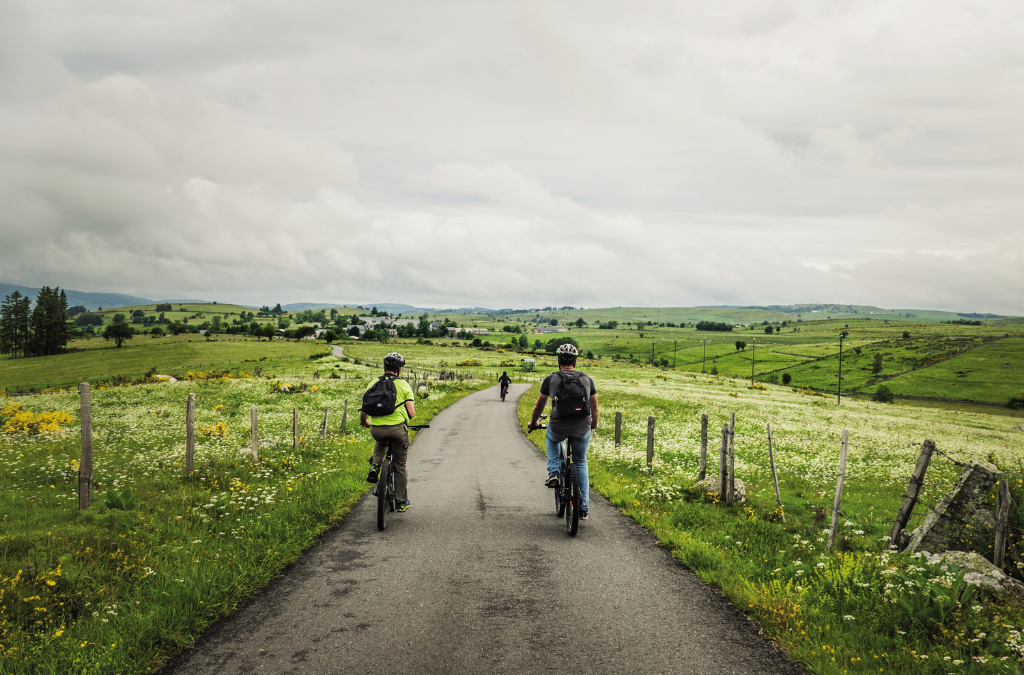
<point x="457" y="153"/>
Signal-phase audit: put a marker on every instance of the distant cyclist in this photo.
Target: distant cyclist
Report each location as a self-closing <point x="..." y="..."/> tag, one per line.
<point x="573" y="415"/>
<point x="504" y="381"/>
<point x="391" y="427"/>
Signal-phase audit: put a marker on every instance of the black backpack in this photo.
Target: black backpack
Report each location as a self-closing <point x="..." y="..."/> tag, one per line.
<point x="573" y="398"/>
<point x="381" y="399"/>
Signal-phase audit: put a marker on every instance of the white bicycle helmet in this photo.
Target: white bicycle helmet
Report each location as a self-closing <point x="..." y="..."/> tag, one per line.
<point x="567" y="349"/>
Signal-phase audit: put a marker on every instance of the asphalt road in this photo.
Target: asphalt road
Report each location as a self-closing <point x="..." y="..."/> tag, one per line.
<point x="479" y="576"/>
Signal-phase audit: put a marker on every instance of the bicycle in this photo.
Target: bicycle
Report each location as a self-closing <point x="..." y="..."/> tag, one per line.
<point x="384" y="489"/>
<point x="568" y="499"/>
<point x="504" y="390"/>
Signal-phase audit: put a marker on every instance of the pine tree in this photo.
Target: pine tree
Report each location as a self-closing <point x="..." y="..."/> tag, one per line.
<point x="14" y="325"/>
<point x="50" y="327"/>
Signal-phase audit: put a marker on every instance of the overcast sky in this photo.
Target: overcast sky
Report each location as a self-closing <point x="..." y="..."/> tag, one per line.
<point x="517" y="154"/>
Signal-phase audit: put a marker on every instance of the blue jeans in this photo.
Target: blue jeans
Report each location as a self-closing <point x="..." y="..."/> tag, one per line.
<point x="578" y="445"/>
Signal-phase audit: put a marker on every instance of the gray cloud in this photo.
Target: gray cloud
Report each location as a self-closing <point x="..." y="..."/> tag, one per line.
<point x="459" y="153"/>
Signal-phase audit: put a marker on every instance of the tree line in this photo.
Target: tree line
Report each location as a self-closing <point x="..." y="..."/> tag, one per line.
<point x="40" y="330"/>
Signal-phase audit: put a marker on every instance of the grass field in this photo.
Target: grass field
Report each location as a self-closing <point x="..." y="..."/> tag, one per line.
<point x="803" y="344"/>
<point x="840" y="612"/>
<point x="991" y="373"/>
<point x="159" y="556"/>
<point x="169" y="355"/>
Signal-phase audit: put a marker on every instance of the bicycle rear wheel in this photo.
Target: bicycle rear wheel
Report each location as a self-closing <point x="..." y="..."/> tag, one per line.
<point x="385" y="494"/>
<point x="573" y="501"/>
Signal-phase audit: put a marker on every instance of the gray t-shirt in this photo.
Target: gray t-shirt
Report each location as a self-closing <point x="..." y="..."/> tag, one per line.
<point x="574" y="426"/>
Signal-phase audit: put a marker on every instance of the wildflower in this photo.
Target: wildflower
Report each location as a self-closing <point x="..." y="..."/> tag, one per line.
<point x="848" y="617"/>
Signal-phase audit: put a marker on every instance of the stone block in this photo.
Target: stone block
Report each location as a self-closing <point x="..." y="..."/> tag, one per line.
<point x="714" y="484"/>
<point x="945" y="527"/>
<point x="977" y="571"/>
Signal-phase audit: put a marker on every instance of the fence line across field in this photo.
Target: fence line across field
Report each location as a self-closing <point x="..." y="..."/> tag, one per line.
<point x="726" y="480"/>
<point x="85" y="465"/>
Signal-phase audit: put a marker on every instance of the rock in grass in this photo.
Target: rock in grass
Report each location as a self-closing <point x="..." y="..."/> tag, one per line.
<point x="712" y="485"/>
<point x="977" y="571"/>
<point x="945" y="527"/>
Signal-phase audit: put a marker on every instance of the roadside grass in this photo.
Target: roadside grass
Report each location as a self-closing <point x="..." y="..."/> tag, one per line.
<point x="840" y="612"/>
<point x="119" y="587"/>
<point x="169" y="355"/>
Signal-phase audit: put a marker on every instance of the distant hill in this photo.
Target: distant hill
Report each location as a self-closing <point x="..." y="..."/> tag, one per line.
<point x="87" y="300"/>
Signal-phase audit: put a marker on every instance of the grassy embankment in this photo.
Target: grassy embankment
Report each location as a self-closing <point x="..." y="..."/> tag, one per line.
<point x="158" y="557"/>
<point x="840" y="612"/>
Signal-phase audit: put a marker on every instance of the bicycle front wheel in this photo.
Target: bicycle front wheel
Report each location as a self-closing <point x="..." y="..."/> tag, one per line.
<point x="385" y="494"/>
<point x="573" y="501"/>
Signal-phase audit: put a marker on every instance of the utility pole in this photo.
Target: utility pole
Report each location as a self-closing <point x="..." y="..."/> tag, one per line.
<point x="839" y="397"/>
<point x="652" y="352"/>
<point x="674" y="350"/>
<point x="753" y="352"/>
<point x="704" y="341"/>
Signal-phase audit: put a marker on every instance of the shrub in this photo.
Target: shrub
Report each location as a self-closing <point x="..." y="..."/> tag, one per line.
<point x="1016" y="403"/>
<point x="120" y="500"/>
<point x="715" y="326"/>
<point x="555" y="343"/>
<point x="469" y="363"/>
<point x="883" y="395"/>
<point x="786" y="378"/>
<point x="714" y="370"/>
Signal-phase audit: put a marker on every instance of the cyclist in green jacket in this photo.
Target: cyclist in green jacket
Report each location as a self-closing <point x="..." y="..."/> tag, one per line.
<point x="392" y="430"/>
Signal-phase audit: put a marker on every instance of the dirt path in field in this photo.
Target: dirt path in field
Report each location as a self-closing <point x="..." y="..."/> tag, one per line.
<point x="479" y="576"/>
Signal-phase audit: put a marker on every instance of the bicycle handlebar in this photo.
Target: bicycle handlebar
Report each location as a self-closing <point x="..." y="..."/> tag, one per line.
<point x="417" y="427"/>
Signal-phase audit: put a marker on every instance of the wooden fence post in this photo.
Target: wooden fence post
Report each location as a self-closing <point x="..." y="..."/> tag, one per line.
<point x="344" y="418"/>
<point x="723" y="463"/>
<point x="85" y="464"/>
<point x="253" y="435"/>
<point x="295" y="428"/>
<point x="731" y="488"/>
<point x="913" y="488"/>
<point x="702" y="472"/>
<point x="1002" y="515"/>
<point x="190" y="434"/>
<point x="775" y="477"/>
<point x="837" y="502"/>
<point x="618" y="429"/>
<point x="650" y="443"/>
<point x="323" y="427"/>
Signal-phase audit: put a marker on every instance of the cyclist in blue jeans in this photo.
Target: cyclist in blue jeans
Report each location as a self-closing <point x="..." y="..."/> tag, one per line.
<point x="574" y="415"/>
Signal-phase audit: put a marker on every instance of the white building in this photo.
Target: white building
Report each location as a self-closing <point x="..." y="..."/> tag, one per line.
<point x="551" y="329"/>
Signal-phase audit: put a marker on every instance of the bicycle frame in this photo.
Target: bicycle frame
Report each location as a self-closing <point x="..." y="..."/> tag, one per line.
<point x="384" y="489"/>
<point x="568" y="501"/>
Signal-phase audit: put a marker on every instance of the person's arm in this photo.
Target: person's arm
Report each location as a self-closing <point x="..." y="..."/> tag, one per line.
<point x="538" y="408"/>
<point x="593" y="412"/>
<point x="410" y="407"/>
<point x="364" y="420"/>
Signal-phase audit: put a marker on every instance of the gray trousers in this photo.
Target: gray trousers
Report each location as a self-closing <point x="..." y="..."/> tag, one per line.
<point x="397" y="436"/>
